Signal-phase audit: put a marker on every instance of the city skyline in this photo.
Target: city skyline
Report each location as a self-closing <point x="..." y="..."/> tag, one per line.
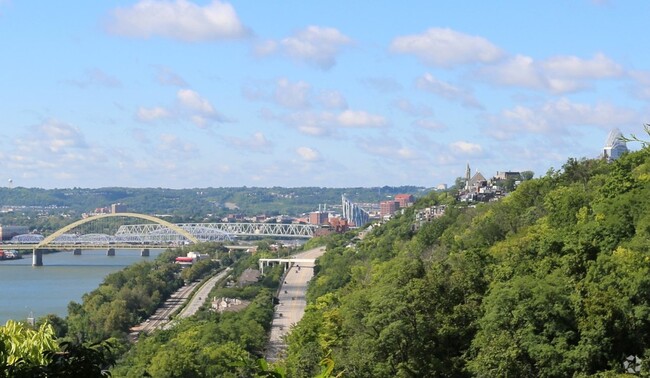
<point x="182" y="94"/>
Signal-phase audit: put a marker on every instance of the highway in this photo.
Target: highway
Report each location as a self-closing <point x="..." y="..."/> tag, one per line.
<point x="292" y="301"/>
<point x="160" y="319"/>
<point x="201" y="295"/>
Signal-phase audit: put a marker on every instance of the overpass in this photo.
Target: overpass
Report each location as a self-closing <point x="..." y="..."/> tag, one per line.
<point x="118" y="231"/>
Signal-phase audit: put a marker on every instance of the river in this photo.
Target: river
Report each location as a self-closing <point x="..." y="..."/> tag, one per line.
<point x="63" y="278"/>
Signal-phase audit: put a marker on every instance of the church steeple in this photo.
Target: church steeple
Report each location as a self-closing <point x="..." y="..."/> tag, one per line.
<point x="468" y="176"/>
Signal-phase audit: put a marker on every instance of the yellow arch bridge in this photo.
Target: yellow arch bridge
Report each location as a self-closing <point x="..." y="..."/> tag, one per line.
<point x="126" y="231"/>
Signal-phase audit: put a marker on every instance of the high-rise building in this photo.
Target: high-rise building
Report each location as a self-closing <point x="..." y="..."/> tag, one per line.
<point x="614" y="145"/>
<point x="355" y="215"/>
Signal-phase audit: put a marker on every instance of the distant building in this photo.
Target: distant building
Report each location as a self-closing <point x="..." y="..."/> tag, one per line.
<point x="508" y="175"/>
<point x="318" y="217"/>
<point x="614" y="146"/>
<point x="404" y="200"/>
<point x="355" y="215"/>
<point x="388" y="207"/>
<point x="441" y="187"/>
<point x="8" y="232"/>
<point x="118" y="208"/>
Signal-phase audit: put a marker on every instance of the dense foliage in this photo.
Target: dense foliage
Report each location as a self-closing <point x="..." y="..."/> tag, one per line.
<point x="33" y="353"/>
<point x="552" y="281"/>
<point x="209" y="344"/>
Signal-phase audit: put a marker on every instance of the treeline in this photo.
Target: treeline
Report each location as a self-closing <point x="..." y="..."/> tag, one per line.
<point x="194" y="203"/>
<point x="552" y="281"/>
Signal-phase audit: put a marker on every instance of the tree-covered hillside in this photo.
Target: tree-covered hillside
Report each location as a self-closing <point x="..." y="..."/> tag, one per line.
<point x="552" y="281"/>
<point x="50" y="209"/>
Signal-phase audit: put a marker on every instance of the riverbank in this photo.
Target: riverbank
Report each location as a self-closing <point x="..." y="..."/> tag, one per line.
<point x="64" y="278"/>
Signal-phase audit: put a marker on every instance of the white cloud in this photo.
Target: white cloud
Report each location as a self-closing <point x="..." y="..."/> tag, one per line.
<point x="466" y="148"/>
<point x="152" y="114"/>
<point x="332" y="100"/>
<point x="316" y="45"/>
<point x="392" y="150"/>
<point x="429" y="83"/>
<point x="446" y="48"/>
<point x="172" y="146"/>
<point x="292" y="95"/>
<point x="557" y="118"/>
<point x="559" y="74"/>
<point x="308" y="154"/>
<point x="194" y="101"/>
<point x="325" y="123"/>
<point x="199" y="110"/>
<point x="360" y="118"/>
<point x="181" y="20"/>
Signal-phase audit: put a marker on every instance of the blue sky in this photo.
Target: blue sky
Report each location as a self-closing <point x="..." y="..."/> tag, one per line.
<point x="184" y="94"/>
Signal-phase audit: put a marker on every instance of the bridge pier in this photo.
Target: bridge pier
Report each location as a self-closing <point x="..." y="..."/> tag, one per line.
<point x="76" y="252"/>
<point x="144" y="252"/>
<point x="37" y="257"/>
<point x="110" y="252"/>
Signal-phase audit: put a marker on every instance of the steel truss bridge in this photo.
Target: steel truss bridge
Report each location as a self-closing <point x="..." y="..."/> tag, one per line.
<point x="157" y="234"/>
<point x="114" y="231"/>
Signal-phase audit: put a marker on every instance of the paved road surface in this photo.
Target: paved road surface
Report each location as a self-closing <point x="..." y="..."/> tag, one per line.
<point x="160" y="319"/>
<point x="292" y="301"/>
<point x="201" y="295"/>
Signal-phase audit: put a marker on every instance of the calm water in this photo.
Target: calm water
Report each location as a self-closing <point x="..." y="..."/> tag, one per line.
<point x="64" y="277"/>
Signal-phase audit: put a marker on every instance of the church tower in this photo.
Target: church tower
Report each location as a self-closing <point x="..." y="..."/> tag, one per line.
<point x="468" y="176"/>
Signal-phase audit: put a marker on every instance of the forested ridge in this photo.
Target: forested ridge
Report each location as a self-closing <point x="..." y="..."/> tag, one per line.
<point x="552" y="281"/>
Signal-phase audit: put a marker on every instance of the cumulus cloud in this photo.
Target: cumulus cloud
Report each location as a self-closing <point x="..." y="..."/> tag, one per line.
<point x="360" y="118"/>
<point x="315" y="45"/>
<point x="152" y="114"/>
<point x="173" y="146"/>
<point x="180" y="20"/>
<point x="308" y="154"/>
<point x="256" y="142"/>
<point x="325" y="123"/>
<point x="332" y="100"/>
<point x="292" y="95"/>
<point x="190" y="105"/>
<point x="445" y="47"/>
<point x="465" y="148"/>
<point x="392" y="150"/>
<point x="429" y="83"/>
<point x="56" y="147"/>
<point x="557" y="118"/>
<point x="558" y="74"/>
<point x="200" y="110"/>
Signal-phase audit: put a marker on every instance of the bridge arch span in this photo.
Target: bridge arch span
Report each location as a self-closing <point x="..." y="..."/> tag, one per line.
<point x="46" y="241"/>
